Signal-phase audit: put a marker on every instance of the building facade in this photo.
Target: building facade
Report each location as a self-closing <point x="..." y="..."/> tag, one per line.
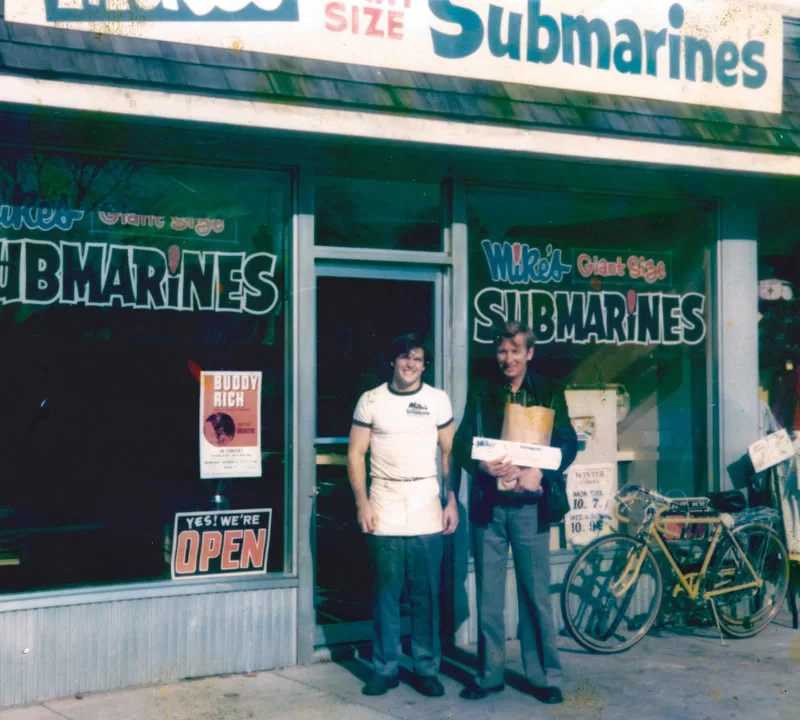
<point x="185" y="203"/>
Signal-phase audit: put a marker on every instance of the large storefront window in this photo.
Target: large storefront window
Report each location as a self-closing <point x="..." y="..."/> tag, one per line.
<point x="120" y="283"/>
<point x="779" y="329"/>
<point x="779" y="359"/>
<point x="382" y="214"/>
<point x="615" y="291"/>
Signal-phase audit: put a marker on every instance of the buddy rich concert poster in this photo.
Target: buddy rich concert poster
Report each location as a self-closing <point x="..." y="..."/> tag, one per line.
<point x="230" y="424"/>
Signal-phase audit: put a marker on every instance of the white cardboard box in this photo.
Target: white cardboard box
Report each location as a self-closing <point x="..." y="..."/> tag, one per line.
<point x="522" y="454"/>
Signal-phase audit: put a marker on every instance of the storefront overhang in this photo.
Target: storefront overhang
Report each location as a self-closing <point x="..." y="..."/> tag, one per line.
<point x="393" y="128"/>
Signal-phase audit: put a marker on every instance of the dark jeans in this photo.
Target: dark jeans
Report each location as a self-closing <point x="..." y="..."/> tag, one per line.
<point x="396" y="561"/>
<point x="519" y="527"/>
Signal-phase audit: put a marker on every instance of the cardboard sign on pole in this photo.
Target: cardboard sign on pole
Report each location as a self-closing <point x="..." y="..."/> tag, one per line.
<point x="771" y="450"/>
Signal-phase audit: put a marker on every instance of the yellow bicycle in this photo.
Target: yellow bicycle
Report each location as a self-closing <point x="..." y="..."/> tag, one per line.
<point x="736" y="565"/>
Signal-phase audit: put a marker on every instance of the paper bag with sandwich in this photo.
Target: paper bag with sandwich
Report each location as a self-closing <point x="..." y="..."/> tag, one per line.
<point x="532" y="425"/>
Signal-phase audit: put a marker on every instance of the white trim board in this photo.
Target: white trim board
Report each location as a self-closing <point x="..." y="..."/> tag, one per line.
<point x="297" y="118"/>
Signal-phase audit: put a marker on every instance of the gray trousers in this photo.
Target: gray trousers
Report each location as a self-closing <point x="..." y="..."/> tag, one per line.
<point x="415" y="561"/>
<point x="517" y="526"/>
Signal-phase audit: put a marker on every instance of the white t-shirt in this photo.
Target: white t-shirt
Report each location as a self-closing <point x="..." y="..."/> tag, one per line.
<point x="405" y="433"/>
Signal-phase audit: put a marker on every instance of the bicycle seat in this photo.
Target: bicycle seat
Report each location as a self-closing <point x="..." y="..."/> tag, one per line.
<point x="729" y="501"/>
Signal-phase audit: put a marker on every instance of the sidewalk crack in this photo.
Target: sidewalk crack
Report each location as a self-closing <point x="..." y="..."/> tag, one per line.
<point x="55" y="712"/>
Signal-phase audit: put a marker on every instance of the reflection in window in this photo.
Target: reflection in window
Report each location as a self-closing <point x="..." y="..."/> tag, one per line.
<point x="378" y="214"/>
<point x="120" y="281"/>
<point x="779" y="330"/>
<point x="615" y="291"/>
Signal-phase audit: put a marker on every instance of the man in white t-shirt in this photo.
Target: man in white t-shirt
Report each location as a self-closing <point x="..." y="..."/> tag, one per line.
<point x="401" y="423"/>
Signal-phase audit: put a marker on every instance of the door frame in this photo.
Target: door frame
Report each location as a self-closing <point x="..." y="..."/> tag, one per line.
<point x="409" y="273"/>
<point x="353" y="632"/>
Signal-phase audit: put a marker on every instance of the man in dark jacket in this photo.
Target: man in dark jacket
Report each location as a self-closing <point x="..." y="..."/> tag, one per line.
<point x="516" y="518"/>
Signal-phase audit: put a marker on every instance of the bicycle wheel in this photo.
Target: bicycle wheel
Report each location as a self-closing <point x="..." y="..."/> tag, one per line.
<point x="743" y="613"/>
<point x="611" y="594"/>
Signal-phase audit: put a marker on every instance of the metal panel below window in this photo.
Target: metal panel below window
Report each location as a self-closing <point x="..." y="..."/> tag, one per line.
<point x="59" y="651"/>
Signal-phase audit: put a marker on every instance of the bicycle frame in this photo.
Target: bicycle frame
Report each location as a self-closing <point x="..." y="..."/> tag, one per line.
<point x="692" y="582"/>
<point x="614" y="587"/>
<point x="655" y="527"/>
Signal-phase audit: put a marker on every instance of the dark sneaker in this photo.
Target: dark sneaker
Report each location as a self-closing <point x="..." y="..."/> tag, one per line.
<point x="473" y="691"/>
<point x="428" y="685"/>
<point x="380" y="684"/>
<point x="549" y="695"/>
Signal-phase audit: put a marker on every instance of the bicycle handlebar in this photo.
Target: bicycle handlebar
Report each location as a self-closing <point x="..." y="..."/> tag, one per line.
<point x="618" y="515"/>
<point x="638" y="490"/>
<point x="653" y="498"/>
<point x="655" y="504"/>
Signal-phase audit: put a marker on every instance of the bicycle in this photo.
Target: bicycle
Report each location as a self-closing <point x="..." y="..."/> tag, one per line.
<point x="612" y="591"/>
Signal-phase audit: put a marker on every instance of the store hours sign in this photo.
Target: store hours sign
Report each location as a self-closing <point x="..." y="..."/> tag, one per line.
<point x="589" y="490"/>
<point x="720" y="53"/>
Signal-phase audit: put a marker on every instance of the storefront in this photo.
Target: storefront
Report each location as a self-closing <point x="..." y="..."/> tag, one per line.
<point x="184" y="214"/>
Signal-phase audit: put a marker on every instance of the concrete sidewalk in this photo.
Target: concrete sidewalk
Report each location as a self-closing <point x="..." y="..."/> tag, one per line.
<point x="680" y="675"/>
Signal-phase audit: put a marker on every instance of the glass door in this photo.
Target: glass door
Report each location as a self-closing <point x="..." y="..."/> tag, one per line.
<point x="359" y="311"/>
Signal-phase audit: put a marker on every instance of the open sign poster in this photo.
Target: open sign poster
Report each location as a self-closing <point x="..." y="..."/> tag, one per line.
<point x="221" y="543"/>
<point x="230" y="424"/>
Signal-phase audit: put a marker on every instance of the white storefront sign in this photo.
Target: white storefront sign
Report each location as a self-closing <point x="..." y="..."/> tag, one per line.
<point x="719" y="53"/>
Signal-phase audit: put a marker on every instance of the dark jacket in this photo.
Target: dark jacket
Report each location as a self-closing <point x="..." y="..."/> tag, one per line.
<point x="484" y="411"/>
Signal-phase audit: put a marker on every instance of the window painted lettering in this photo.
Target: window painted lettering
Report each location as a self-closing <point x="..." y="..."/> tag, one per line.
<point x="635" y="267"/>
<point x="20" y="209"/>
<point x="99" y="275"/>
<point x="593" y="317"/>
<point x="518" y="263"/>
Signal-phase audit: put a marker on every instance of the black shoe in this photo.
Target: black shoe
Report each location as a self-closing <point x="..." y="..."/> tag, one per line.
<point x="428" y="685"/>
<point x="473" y="691"/>
<point x="380" y="684"/>
<point x="549" y="695"/>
